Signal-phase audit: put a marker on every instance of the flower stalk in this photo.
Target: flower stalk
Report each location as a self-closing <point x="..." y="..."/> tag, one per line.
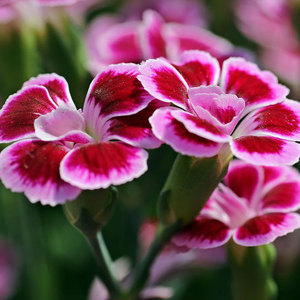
<point x="252" y="272"/>
<point x="142" y="271"/>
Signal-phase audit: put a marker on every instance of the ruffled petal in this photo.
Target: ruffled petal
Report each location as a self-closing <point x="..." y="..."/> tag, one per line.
<point x="32" y="167"/>
<point x="115" y="91"/>
<point x="95" y="166"/>
<point x="258" y="88"/>
<point x="117" y="43"/>
<point x="164" y="82"/>
<point x="136" y="129"/>
<point x="265" y="229"/>
<point x="20" y="111"/>
<point x="60" y="124"/>
<point x="56" y="86"/>
<point x="198" y="68"/>
<point x="203" y="233"/>
<point x="262" y="150"/>
<point x="282" y="197"/>
<point x="152" y="42"/>
<point x="181" y="37"/>
<point x="174" y="133"/>
<point x="245" y="180"/>
<point x="200" y="127"/>
<point x="281" y="120"/>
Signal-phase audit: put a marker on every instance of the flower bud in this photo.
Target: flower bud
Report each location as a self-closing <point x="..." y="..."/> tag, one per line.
<point x="188" y="187"/>
<point x="91" y="210"/>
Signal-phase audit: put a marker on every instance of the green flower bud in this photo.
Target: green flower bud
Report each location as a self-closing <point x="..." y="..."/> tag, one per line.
<point x="91" y="210"/>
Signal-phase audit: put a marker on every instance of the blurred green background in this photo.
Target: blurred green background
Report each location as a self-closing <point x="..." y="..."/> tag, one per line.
<point x="55" y="260"/>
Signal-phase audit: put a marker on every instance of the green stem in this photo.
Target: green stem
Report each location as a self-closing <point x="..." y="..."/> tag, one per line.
<point x="252" y="272"/>
<point x="104" y="263"/>
<point x="142" y="272"/>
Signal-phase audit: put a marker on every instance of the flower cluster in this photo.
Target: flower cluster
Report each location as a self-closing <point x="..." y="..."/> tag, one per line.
<point x="241" y="109"/>
<point x="60" y="149"/>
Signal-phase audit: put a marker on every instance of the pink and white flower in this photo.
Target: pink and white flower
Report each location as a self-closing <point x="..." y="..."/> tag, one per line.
<point x="239" y="110"/>
<point x="111" y="41"/>
<point x="255" y="205"/>
<point x="61" y="150"/>
<point x="9" y="264"/>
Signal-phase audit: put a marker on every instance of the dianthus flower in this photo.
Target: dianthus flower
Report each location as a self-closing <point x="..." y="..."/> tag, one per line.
<point x="270" y="24"/>
<point x="254" y="206"/>
<point x="111" y="41"/>
<point x="60" y="149"/>
<point x="242" y="111"/>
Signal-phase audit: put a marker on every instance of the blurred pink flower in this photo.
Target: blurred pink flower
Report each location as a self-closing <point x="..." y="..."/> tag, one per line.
<point x="8" y="269"/>
<point x="179" y="11"/>
<point x="60" y="150"/>
<point x="269" y="23"/>
<point x="111" y="41"/>
<point x="237" y="110"/>
<point x="255" y="205"/>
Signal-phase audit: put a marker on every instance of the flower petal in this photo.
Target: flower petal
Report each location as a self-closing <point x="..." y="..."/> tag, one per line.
<point x="57" y="124"/>
<point x="223" y="110"/>
<point x="115" y="91"/>
<point x="269" y="151"/>
<point x="164" y="82"/>
<point x="117" y="43"/>
<point x="100" y="165"/>
<point x="198" y="68"/>
<point x="204" y="233"/>
<point x="174" y="133"/>
<point x="151" y="39"/>
<point x="200" y="127"/>
<point x="283" y="197"/>
<point x="181" y="37"/>
<point x="56" y="86"/>
<point x="21" y="109"/>
<point x="280" y="120"/>
<point x="136" y="129"/>
<point x="265" y="229"/>
<point x="258" y="88"/>
<point x="245" y="180"/>
<point x="32" y="167"/>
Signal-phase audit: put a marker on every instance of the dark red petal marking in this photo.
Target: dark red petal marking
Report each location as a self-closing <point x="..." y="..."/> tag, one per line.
<point x="117" y="92"/>
<point x="18" y="114"/>
<point x="247" y="86"/>
<point x="259" y="144"/>
<point x="101" y="165"/>
<point x="243" y="180"/>
<point x="283" y="195"/>
<point x="56" y="86"/>
<point x="277" y="118"/>
<point x="201" y="123"/>
<point x="271" y="173"/>
<point x="182" y="132"/>
<point x="202" y="233"/>
<point x="195" y="73"/>
<point x="260" y="225"/>
<point x="136" y="128"/>
<point x="126" y="49"/>
<point x="154" y="43"/>
<point x="38" y="162"/>
<point x="169" y="85"/>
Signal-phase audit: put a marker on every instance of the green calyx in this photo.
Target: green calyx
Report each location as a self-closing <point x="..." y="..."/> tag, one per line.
<point x="91" y="210"/>
<point x="188" y="187"/>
